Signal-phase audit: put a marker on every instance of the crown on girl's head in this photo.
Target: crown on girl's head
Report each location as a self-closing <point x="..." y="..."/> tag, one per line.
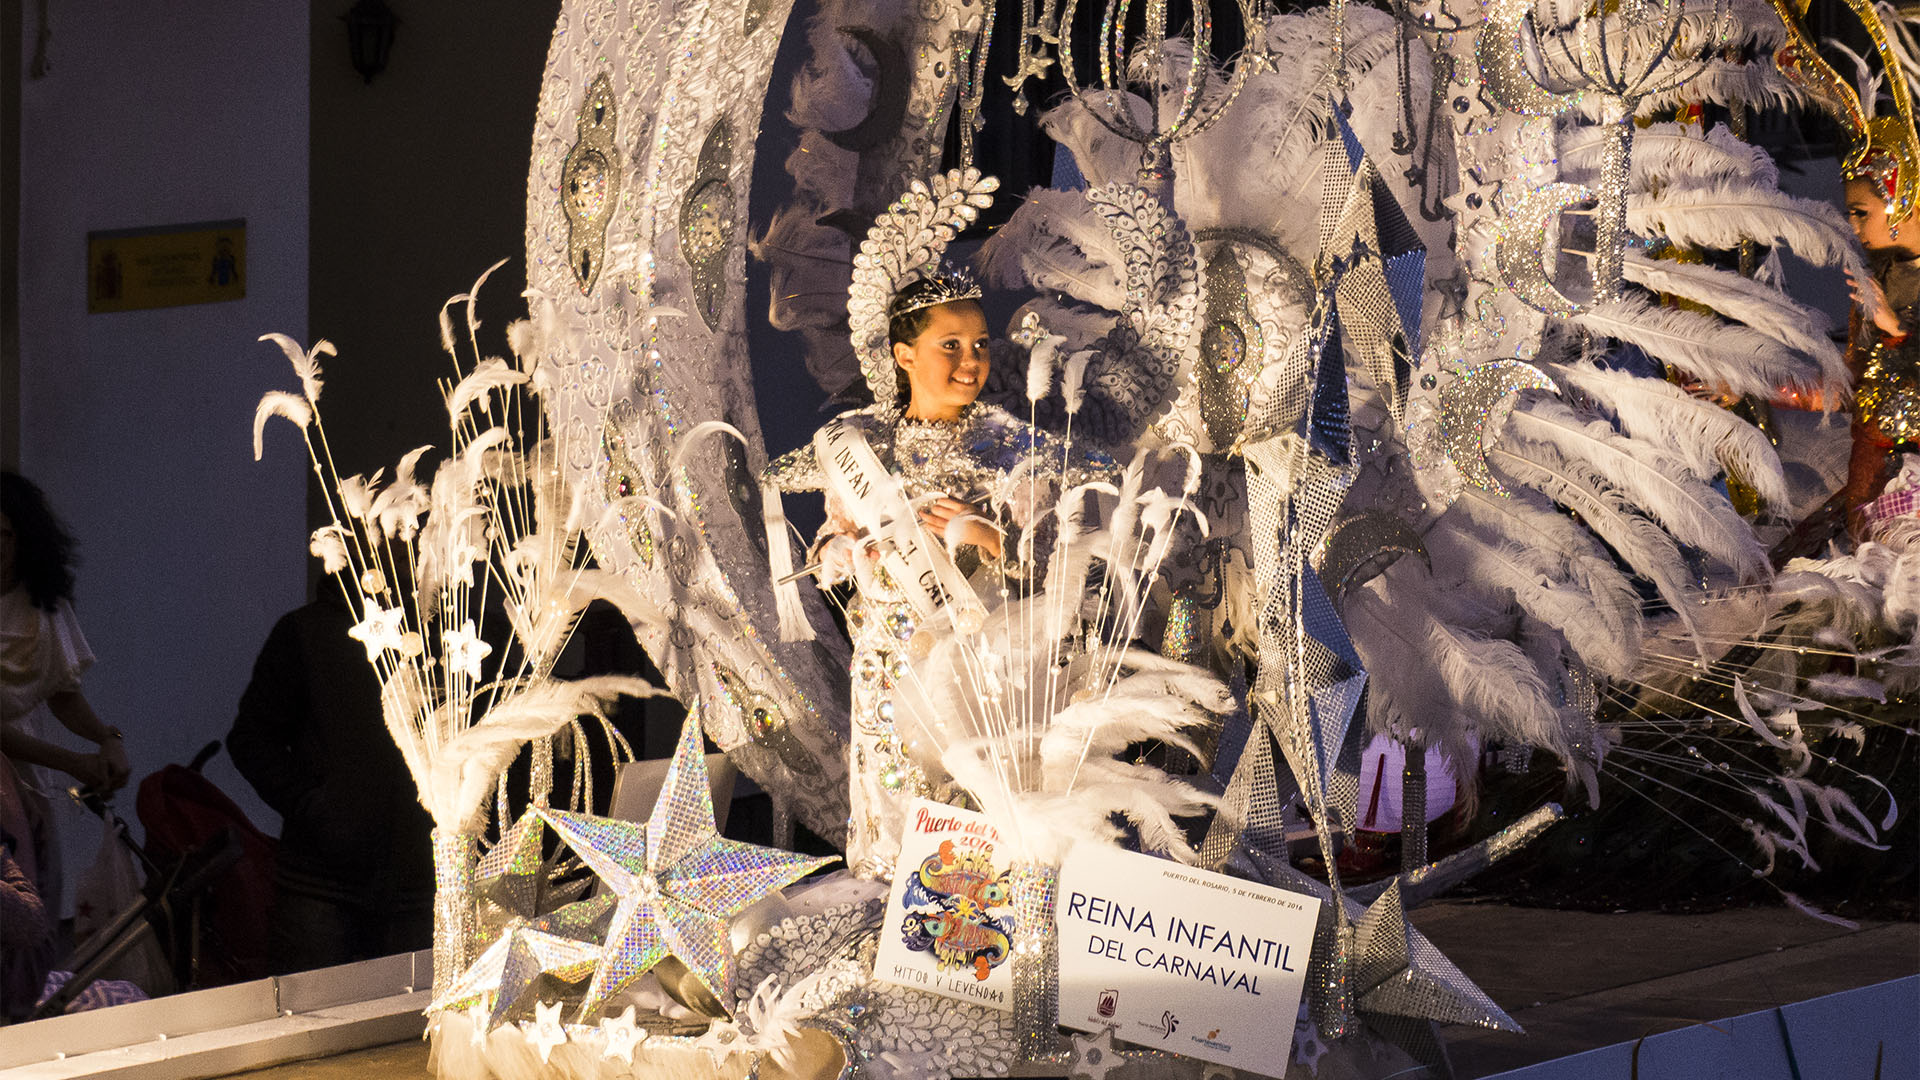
<point x="941" y="287"/>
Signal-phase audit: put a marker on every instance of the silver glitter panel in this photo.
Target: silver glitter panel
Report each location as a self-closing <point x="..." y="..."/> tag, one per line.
<point x="708" y="221"/>
<point x="1036" y="962"/>
<point x="1523" y="247"/>
<point x="507" y="879"/>
<point x="1361" y="547"/>
<point x="453" y="918"/>
<point x="1433" y="989"/>
<point x="1413" y="809"/>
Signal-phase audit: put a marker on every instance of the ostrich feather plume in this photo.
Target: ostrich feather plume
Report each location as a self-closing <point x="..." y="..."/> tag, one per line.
<point x="1735" y="358"/>
<point x="278" y="403"/>
<point x="1707" y="437"/>
<point x="1746" y="300"/>
<point x="1573" y="484"/>
<point x="1668" y="154"/>
<point x="1653" y="479"/>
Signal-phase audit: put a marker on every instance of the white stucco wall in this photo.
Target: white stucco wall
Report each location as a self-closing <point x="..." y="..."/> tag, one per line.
<point x="137" y="423"/>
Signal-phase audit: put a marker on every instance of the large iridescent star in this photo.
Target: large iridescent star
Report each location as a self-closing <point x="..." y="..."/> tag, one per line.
<point x="679" y="883"/>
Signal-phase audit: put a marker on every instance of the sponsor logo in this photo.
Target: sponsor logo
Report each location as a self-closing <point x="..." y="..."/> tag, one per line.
<point x="1109" y="1004"/>
<point x="1169" y="1024"/>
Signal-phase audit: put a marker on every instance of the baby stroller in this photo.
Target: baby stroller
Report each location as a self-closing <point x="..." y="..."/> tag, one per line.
<point x="208" y="887"/>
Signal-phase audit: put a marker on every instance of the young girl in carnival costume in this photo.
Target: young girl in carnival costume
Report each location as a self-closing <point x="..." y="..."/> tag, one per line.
<point x="975" y="479"/>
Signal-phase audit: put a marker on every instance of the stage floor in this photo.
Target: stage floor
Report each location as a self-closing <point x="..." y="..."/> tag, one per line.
<point x="1576" y="980"/>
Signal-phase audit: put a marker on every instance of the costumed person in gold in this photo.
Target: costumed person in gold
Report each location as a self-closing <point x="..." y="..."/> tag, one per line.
<point x="1883" y="351"/>
<point x="976" y="479"/>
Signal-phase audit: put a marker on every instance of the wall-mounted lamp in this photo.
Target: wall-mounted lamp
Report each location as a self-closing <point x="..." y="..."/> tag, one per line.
<point x="370" y="26"/>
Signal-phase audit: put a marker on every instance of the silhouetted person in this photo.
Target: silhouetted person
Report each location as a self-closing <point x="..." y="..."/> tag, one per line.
<point x="354" y="876"/>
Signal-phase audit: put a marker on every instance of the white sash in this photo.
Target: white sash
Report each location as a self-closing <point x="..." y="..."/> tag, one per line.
<point x="919" y="566"/>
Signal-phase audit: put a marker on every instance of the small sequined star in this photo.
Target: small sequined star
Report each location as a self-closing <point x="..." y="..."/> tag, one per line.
<point x="623" y="1036"/>
<point x="465" y="650"/>
<point x="545" y="1033"/>
<point x="1094" y="1056"/>
<point x="380" y="630"/>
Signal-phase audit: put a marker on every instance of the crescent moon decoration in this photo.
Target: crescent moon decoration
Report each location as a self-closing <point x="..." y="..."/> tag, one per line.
<point x="1520" y="251"/>
<point x="1477" y="402"/>
<point x="892" y="83"/>
<point x="1361" y="548"/>
<point x="1501" y="49"/>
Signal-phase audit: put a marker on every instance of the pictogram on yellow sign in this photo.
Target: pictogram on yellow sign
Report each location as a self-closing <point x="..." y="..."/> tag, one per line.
<point x="166" y="266"/>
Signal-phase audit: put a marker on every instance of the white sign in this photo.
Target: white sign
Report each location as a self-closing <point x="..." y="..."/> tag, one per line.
<point x="1181" y="959"/>
<point x="949" y="927"/>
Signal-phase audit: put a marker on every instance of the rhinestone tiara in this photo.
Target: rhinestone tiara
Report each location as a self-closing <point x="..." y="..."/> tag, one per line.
<point x="949" y="286"/>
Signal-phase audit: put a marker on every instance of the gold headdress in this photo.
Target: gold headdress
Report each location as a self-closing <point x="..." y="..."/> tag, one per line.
<point x="1884" y="149"/>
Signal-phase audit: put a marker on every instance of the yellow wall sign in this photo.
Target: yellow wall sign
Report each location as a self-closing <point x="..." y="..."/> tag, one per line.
<point x="166" y="265"/>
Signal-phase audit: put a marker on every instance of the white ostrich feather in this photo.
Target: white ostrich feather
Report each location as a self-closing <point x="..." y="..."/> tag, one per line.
<point x="1720" y="82"/>
<point x="1056" y="242"/>
<point x="278" y="403"/>
<point x="487" y="376"/>
<point x="1722" y="216"/>
<point x="1042" y="826"/>
<point x="1746" y="300"/>
<point x="306" y="362"/>
<point x="1736" y="358"/>
<point x="1667" y="154"/>
<point x="1159" y="700"/>
<point x="399" y="506"/>
<point x="831" y="92"/>
<point x="1567" y="555"/>
<point x="1040" y="365"/>
<point x="1604" y="631"/>
<point x="1654" y="479"/>
<point x="1645" y="546"/>
<point x="1835" y="685"/>
<point x="329" y="545"/>
<point x="1073" y="380"/>
<point x="1704" y="435"/>
<point x="1448" y="683"/>
<point x="357" y="493"/>
<point x="1102" y="156"/>
<point x="460" y="771"/>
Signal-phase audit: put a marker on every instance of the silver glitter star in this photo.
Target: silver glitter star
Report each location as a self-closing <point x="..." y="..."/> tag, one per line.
<point x="1398" y="981"/>
<point x="1094" y="1056"/>
<point x="529" y="957"/>
<point x="677" y="882"/>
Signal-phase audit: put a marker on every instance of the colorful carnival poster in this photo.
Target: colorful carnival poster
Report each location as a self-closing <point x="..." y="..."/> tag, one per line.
<point x="949" y="927"/>
<point x="1181" y="959"/>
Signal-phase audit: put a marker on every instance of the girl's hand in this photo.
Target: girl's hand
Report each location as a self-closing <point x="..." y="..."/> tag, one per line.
<point x="1886" y="321"/>
<point x="113" y="755"/>
<point x="942" y="511"/>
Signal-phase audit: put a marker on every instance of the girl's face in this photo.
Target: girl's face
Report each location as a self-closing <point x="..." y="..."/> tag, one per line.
<point x="1867" y="211"/>
<point x="947" y="364"/>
